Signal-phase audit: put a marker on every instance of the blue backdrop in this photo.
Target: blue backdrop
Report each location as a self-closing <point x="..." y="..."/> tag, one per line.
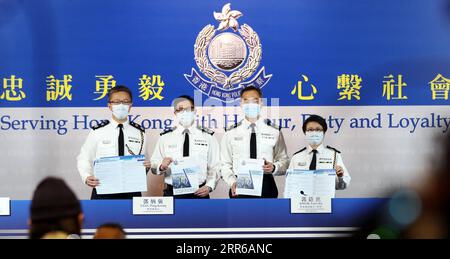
<point x="318" y="38"/>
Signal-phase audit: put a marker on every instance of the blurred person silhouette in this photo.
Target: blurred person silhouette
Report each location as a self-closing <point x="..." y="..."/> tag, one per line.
<point x="110" y="231"/>
<point x="55" y="211"/>
<point x="421" y="212"/>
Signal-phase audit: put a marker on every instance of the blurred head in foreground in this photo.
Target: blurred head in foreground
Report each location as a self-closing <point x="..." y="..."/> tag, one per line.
<point x="110" y="231"/>
<point x="55" y="211"/>
<point x="422" y="212"/>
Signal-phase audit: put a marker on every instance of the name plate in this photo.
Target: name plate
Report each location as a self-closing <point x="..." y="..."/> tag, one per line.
<point x="311" y="204"/>
<point x="152" y="205"/>
<point x="5" y="209"/>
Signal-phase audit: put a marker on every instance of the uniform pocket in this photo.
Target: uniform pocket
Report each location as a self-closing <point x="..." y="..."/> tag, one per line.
<point x="106" y="150"/>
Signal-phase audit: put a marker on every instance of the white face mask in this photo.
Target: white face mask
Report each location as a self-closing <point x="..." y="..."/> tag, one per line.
<point x="120" y="111"/>
<point x="186" y="118"/>
<point x="251" y="110"/>
<point x="314" y="138"/>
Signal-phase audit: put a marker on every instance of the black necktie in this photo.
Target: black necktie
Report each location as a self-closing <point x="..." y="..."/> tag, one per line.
<point x="312" y="166"/>
<point x="253" y="142"/>
<point x="121" y="141"/>
<point x="186" y="144"/>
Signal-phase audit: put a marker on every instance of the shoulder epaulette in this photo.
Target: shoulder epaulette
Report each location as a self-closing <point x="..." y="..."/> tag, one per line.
<point x="100" y="125"/>
<point x="206" y="130"/>
<point x="234" y="126"/>
<point x="137" y="126"/>
<point x="301" y="150"/>
<point x="333" y="149"/>
<point x="269" y="123"/>
<point x="167" y="131"/>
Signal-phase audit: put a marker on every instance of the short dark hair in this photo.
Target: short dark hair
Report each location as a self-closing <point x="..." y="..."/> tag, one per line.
<point x="120" y="88"/>
<point x="114" y="226"/>
<point x="183" y="98"/>
<point x="315" y="118"/>
<point x="252" y="88"/>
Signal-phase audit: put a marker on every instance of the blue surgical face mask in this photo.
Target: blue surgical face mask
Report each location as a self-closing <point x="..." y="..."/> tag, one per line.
<point x="314" y="138"/>
<point x="120" y="111"/>
<point x="186" y="118"/>
<point x="251" y="110"/>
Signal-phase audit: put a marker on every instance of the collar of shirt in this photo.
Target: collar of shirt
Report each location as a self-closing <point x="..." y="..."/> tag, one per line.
<point x="115" y="124"/>
<point x="247" y="124"/>
<point x="180" y="130"/>
<point x="319" y="149"/>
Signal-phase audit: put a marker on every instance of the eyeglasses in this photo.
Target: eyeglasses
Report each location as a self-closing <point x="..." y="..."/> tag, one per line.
<point x="126" y="102"/>
<point x="250" y="100"/>
<point x="314" y="130"/>
<point x="188" y="109"/>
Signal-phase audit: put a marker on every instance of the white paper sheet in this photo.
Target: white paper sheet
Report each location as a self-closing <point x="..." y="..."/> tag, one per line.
<point x="120" y="174"/>
<point x="185" y="172"/>
<point x="310" y="183"/>
<point x="250" y="177"/>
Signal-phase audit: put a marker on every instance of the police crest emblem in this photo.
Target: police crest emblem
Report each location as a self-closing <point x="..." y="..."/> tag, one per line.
<point x="228" y="56"/>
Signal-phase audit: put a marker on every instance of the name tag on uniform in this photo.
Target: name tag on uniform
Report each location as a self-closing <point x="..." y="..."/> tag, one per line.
<point x="5" y="208"/>
<point x="200" y="142"/>
<point x="134" y="140"/>
<point x="325" y="160"/>
<point x="152" y="205"/>
<point x="267" y="136"/>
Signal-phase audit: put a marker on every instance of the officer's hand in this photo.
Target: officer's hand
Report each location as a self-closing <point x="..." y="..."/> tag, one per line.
<point x="202" y="192"/>
<point x="165" y="164"/>
<point x="268" y="167"/>
<point x="233" y="190"/>
<point x="339" y="171"/>
<point x="147" y="165"/>
<point x="91" y="181"/>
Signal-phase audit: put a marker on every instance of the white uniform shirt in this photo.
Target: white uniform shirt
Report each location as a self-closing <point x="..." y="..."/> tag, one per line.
<point x="326" y="157"/>
<point x="103" y="141"/>
<point x="235" y="146"/>
<point x="202" y="145"/>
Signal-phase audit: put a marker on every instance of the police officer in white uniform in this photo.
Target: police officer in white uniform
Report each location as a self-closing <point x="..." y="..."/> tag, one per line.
<point x="317" y="156"/>
<point x="187" y="140"/>
<point x="254" y="138"/>
<point x="118" y="137"/>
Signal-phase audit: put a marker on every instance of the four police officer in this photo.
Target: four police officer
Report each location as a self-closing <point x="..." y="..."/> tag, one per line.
<point x="252" y="138"/>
